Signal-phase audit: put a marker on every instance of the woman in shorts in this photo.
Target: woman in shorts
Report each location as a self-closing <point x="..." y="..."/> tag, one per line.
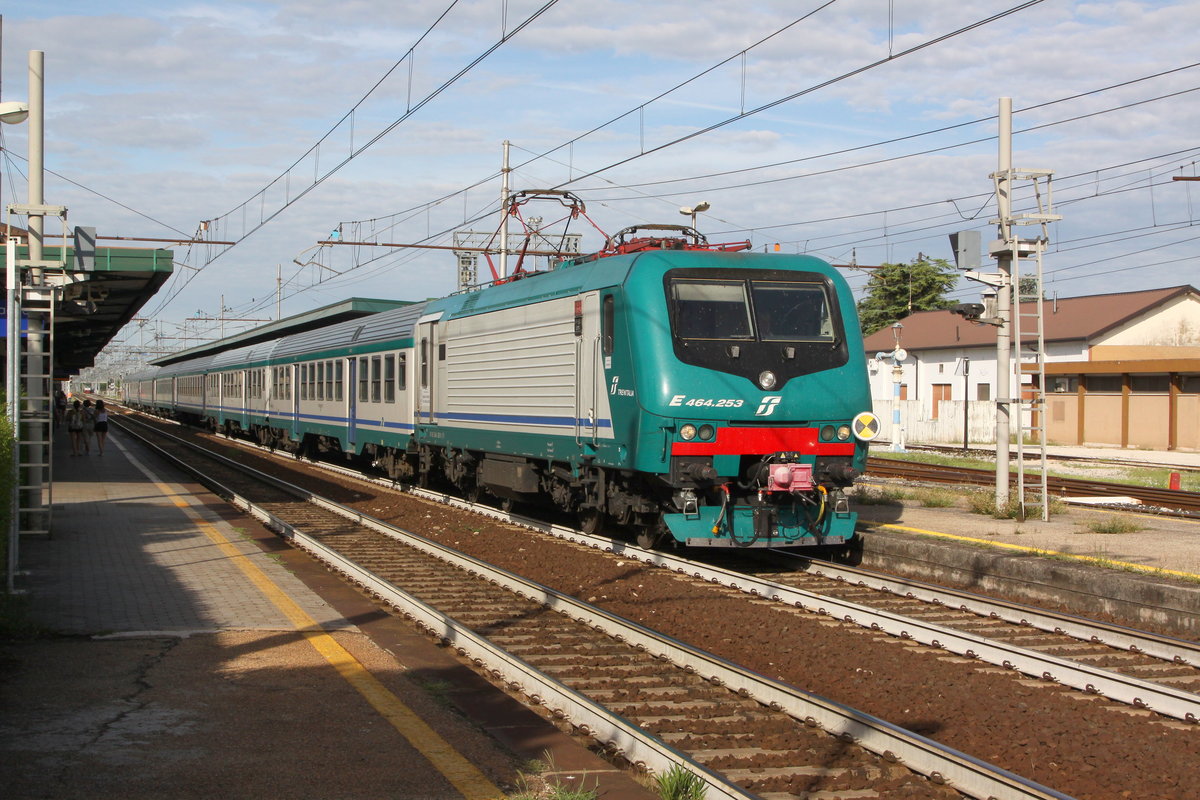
<point x="101" y="425"/>
<point x="75" y="426"/>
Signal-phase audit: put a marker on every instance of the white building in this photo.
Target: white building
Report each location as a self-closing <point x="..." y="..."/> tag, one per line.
<point x="1139" y="348"/>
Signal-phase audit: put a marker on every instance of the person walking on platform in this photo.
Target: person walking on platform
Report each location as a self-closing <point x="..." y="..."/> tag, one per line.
<point x="89" y="426"/>
<point x="101" y="425"/>
<point x="60" y="406"/>
<point x="75" y="426"/>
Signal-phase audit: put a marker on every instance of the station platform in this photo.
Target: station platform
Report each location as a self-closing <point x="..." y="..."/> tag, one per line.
<point x="187" y="652"/>
<point x="1137" y="569"/>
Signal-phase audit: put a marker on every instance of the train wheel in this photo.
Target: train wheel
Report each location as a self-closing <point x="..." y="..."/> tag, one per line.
<point x="591" y="521"/>
<point x="472" y="493"/>
<point x="507" y="504"/>
<point x="650" y="537"/>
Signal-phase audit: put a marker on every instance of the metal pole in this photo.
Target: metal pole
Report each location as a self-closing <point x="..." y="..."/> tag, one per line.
<point x="1003" y="302"/>
<point x="897" y="433"/>
<point x="12" y="392"/>
<point x="966" y="403"/>
<point x="504" y="170"/>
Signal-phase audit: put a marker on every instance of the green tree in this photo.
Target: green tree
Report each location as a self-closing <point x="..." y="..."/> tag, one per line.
<point x="897" y="290"/>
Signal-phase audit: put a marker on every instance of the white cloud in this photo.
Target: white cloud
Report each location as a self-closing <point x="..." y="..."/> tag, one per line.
<point x="186" y="109"/>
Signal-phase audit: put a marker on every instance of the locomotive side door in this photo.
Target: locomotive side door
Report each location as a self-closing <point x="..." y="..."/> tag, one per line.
<point x="429" y="353"/>
<point x="587" y="347"/>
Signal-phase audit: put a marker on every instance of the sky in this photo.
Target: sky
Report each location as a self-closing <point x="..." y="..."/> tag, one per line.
<point x="860" y="131"/>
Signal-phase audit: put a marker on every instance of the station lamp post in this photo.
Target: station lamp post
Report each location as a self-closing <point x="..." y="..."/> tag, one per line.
<point x="898" y="356"/>
<point x="13" y="113"/>
<point x="692" y="211"/>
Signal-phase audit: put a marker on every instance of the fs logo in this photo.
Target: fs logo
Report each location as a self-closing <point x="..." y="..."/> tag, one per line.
<point x="768" y="405"/>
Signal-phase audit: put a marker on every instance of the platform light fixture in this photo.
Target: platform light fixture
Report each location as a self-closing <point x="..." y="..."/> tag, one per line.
<point x="14" y="112"/>
<point x="692" y="211"/>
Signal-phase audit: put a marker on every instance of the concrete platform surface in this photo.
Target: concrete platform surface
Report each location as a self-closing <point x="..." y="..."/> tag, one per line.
<point x="200" y="656"/>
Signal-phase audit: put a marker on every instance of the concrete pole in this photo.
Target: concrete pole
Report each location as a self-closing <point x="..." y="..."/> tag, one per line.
<point x="35" y="385"/>
<point x="1003" y="303"/>
<point x="504" y="170"/>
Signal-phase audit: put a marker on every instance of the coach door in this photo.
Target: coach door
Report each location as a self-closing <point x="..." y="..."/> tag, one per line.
<point x="429" y="354"/>
<point x="293" y="378"/>
<point x="352" y="400"/>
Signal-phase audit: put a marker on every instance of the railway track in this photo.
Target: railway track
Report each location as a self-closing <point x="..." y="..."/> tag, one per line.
<point x="850" y="583"/>
<point x="648" y="698"/>
<point x="1160" y="500"/>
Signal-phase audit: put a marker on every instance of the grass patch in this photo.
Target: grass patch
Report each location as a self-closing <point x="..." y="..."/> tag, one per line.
<point x="679" y="784"/>
<point x="876" y="496"/>
<point x="533" y="785"/>
<point x="1115" y="525"/>
<point x="984" y="502"/>
<point x="941" y="459"/>
<point x="936" y="498"/>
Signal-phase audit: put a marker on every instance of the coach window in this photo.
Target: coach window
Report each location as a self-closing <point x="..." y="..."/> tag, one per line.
<point x="320" y="380"/>
<point x="402" y="373"/>
<point x="608" y="319"/>
<point x="376" y="375"/>
<point x="364" y="381"/>
<point x="389" y="378"/>
<point x="340" y="378"/>
<point x="329" y="380"/>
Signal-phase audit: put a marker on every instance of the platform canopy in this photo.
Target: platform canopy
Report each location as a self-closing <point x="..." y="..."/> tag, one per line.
<point x="97" y="302"/>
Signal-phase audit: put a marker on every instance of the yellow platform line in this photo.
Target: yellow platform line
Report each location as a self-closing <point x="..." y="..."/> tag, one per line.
<point x="461" y="773"/>
<point x="1038" y="551"/>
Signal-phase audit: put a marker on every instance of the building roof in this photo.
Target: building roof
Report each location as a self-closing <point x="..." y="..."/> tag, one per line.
<point x="1065" y="319"/>
<point x="352" y="308"/>
<point x="98" y="301"/>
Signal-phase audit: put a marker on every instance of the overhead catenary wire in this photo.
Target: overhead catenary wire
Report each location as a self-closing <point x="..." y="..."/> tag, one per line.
<point x="412" y="109"/>
<point x="377" y="261"/>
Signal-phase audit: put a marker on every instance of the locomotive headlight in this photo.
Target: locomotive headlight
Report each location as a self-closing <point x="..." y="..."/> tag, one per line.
<point x="707" y="432"/>
<point x="766" y="379"/>
<point x="687" y="432"/>
<point x="826" y="433"/>
<point x="843" y="432"/>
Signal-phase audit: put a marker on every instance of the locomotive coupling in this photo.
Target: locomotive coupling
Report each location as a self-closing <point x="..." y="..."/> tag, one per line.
<point x="701" y="473"/>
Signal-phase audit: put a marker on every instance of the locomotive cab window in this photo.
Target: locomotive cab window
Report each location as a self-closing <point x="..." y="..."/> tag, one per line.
<point x="711" y="309"/>
<point x="791" y="312"/>
<point x="763" y="310"/>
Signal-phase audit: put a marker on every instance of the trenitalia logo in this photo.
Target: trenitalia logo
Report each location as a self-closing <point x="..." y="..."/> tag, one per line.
<point x="768" y="405"/>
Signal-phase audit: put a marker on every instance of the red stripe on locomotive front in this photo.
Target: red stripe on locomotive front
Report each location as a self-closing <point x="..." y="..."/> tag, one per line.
<point x="763" y="441"/>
